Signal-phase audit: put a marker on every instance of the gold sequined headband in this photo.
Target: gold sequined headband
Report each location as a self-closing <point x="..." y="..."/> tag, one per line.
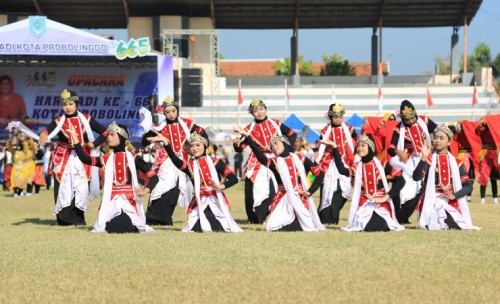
<point x="444" y="128"/>
<point x="365" y="139"/>
<point x="197" y="137"/>
<point x="280" y="138"/>
<point x="115" y="128"/>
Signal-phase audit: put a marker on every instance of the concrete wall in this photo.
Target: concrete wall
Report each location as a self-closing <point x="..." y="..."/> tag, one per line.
<point x="3" y="20"/>
<point x="139" y="27"/>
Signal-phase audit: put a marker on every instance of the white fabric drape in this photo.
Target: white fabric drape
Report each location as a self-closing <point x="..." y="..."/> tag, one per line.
<point x="112" y="207"/>
<point x="434" y="206"/>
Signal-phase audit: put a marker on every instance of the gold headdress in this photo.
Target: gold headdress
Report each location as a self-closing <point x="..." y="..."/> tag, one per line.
<point x="408" y="112"/>
<point x="115" y="128"/>
<point x="68" y="96"/>
<point x="197" y="137"/>
<point x="336" y="110"/>
<point x="254" y="104"/>
<point x="170" y="102"/>
<point x="280" y="138"/>
<point x="444" y="128"/>
<point x="367" y="140"/>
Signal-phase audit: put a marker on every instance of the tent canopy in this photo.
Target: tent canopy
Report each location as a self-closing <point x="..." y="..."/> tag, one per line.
<point x="300" y="127"/>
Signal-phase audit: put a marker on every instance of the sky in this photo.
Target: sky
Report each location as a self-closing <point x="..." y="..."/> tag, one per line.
<point x="410" y="51"/>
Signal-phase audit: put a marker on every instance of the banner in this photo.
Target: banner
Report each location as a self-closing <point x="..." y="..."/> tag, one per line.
<point x="106" y="93"/>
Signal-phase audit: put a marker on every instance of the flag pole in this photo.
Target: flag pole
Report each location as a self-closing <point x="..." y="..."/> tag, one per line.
<point x="286" y="97"/>
<point x="427" y="102"/>
<point x="239" y="105"/>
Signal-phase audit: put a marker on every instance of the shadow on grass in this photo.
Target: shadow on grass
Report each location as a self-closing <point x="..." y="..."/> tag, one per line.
<point x="37" y="221"/>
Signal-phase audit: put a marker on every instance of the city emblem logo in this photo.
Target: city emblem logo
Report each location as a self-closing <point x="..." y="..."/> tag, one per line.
<point x="37" y="25"/>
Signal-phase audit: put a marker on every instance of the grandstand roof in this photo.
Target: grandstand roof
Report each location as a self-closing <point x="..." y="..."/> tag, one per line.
<point x="254" y="14"/>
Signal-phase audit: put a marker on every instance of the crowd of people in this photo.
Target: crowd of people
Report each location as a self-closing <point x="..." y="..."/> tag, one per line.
<point x="388" y="171"/>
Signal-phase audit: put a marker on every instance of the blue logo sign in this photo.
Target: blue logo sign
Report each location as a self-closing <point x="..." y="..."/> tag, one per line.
<point x="37" y="25"/>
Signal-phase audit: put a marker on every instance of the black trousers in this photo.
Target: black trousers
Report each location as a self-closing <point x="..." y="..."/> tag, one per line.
<point x="261" y="212"/>
<point x="161" y="210"/>
<point x="70" y="215"/>
<point x="331" y="214"/>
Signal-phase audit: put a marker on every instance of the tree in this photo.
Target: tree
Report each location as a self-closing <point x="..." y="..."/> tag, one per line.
<point x="496" y="65"/>
<point x="442" y="65"/>
<point x="282" y="68"/>
<point x="336" y="65"/>
<point x="482" y="54"/>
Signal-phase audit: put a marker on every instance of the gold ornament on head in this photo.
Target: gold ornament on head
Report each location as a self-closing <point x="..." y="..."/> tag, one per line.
<point x="408" y="112"/>
<point x="254" y="104"/>
<point x="115" y="128"/>
<point x="169" y="102"/>
<point x="336" y="109"/>
<point x="197" y="137"/>
<point x="444" y="128"/>
<point x="66" y="96"/>
<point x="280" y="138"/>
<point x="365" y="139"/>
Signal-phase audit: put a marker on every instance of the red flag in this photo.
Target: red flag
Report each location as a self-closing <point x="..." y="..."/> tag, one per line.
<point x="474" y="97"/>
<point x="287" y="95"/>
<point x="240" y="97"/>
<point x="429" y="99"/>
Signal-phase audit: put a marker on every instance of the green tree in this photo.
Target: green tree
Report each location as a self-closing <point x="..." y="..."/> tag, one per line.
<point x="482" y="54"/>
<point x="442" y="65"/>
<point x="282" y="68"/>
<point x="496" y="65"/>
<point x="336" y="65"/>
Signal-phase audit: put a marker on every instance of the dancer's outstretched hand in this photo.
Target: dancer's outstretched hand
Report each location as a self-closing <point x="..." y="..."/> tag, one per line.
<point x="159" y="137"/>
<point x="327" y="142"/>
<point x="216" y="185"/>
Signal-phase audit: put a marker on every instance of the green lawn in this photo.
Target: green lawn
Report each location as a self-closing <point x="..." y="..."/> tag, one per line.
<point x="41" y="262"/>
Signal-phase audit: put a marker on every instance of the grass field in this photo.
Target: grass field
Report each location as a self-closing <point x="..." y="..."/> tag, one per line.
<point x="41" y="262"/>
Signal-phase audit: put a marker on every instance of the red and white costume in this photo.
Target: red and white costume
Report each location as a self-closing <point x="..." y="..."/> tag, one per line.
<point x="345" y="144"/>
<point x="202" y="170"/>
<point x="444" y="173"/>
<point x="261" y="134"/>
<point x="411" y="140"/>
<point x="366" y="188"/>
<point x="178" y="134"/>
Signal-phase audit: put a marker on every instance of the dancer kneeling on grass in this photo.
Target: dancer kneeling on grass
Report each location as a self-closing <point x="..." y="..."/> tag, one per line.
<point x="209" y="208"/>
<point x="445" y="205"/>
<point x="292" y="208"/>
<point x="121" y="208"/>
<point x="371" y="204"/>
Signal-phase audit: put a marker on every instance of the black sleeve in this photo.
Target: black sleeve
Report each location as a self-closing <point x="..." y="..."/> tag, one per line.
<point x="394" y="141"/>
<point x="98" y="128"/>
<point x="177" y="161"/>
<point x="318" y="180"/>
<point x="85" y="158"/>
<point x="420" y="171"/>
<point x="431" y="125"/>
<point x="466" y="186"/>
<point x="231" y="180"/>
<point x="238" y="148"/>
<point x="285" y="131"/>
<point x="338" y="162"/>
<point x="144" y="140"/>
<point x="255" y="149"/>
<point x="354" y="135"/>
<point x="398" y="183"/>
<point x="144" y="167"/>
<point x="52" y="125"/>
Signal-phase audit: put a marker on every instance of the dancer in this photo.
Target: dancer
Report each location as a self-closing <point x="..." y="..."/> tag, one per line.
<point x="336" y="188"/>
<point x="174" y="186"/>
<point x="488" y="167"/>
<point x="371" y="205"/>
<point x="407" y="141"/>
<point x="209" y="209"/>
<point x="23" y="168"/>
<point x="71" y="190"/>
<point x="466" y="147"/>
<point x="292" y="208"/>
<point x="121" y="208"/>
<point x="445" y="206"/>
<point x="259" y="184"/>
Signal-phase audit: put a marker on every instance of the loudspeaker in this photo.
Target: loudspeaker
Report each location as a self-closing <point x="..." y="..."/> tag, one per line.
<point x="192" y="88"/>
<point x="176" y="85"/>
